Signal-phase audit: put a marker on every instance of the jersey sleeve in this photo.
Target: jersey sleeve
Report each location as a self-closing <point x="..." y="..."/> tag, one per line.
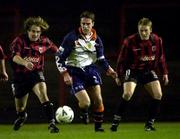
<point x="122" y="58"/>
<point x="100" y="54"/>
<point x="16" y="46"/>
<point x="162" y="60"/>
<point x="63" y="52"/>
<point x="53" y="48"/>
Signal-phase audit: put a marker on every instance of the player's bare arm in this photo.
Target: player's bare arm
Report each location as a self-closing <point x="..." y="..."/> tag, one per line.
<point x="3" y="73"/>
<point x="111" y="72"/>
<point x="165" y="79"/>
<point x="67" y="78"/>
<point x="19" y="60"/>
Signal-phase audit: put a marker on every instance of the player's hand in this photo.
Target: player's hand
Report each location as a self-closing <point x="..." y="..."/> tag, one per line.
<point x="118" y="81"/>
<point x="29" y="65"/>
<point x="165" y="79"/>
<point x="67" y="78"/>
<point x="3" y="76"/>
<point x="111" y="72"/>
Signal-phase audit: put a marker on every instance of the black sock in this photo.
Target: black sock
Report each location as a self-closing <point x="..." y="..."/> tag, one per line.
<point x="120" y="111"/>
<point x="84" y="111"/>
<point x="21" y="114"/>
<point x="122" y="107"/>
<point x="154" y="109"/>
<point x="98" y="119"/>
<point x="49" y="112"/>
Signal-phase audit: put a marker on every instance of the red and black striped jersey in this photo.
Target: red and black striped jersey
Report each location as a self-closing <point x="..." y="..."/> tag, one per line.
<point x="137" y="54"/>
<point x="31" y="51"/>
<point x="2" y="56"/>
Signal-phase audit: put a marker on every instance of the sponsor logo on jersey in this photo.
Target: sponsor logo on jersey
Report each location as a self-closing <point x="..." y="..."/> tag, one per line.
<point x="147" y="58"/>
<point x="32" y="59"/>
<point x="40" y="49"/>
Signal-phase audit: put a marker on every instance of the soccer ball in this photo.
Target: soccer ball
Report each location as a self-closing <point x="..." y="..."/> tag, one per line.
<point x="64" y="114"/>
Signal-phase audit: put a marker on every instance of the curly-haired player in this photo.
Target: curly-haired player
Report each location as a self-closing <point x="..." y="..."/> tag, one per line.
<point x="27" y="62"/>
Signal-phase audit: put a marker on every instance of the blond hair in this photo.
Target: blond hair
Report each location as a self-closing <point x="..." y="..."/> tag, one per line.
<point x="145" y="22"/>
<point x="38" y="21"/>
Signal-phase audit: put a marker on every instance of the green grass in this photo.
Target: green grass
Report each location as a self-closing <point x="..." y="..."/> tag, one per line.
<point x="80" y="131"/>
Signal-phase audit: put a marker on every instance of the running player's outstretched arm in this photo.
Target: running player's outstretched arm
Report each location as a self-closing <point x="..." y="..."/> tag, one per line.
<point x="63" y="53"/>
<point x="102" y="60"/>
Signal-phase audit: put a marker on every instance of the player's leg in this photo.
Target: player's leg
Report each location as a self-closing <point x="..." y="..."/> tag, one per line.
<point x="20" y="104"/>
<point x="154" y="89"/>
<point x="98" y="106"/>
<point x="77" y="89"/>
<point x="84" y="103"/>
<point x="40" y="89"/>
<point x="128" y="90"/>
<point x="19" y="90"/>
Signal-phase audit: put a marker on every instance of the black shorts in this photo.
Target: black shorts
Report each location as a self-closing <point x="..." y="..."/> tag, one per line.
<point x="142" y="77"/>
<point x="24" y="82"/>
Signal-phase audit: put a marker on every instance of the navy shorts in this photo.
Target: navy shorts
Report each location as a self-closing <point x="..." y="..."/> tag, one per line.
<point x="142" y="77"/>
<point x="84" y="77"/>
<point x="24" y="82"/>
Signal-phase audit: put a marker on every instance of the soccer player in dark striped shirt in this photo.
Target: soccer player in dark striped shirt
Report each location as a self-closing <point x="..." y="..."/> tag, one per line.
<point x="27" y="60"/>
<point x="140" y="58"/>
<point x="3" y="73"/>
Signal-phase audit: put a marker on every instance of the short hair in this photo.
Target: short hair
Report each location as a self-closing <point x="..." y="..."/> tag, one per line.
<point x="38" y="21"/>
<point x="145" y="22"/>
<point x="88" y="14"/>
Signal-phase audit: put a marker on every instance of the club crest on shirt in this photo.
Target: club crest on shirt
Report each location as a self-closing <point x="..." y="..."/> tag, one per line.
<point x="40" y="49"/>
<point x="153" y="48"/>
<point x="76" y="43"/>
<point x="88" y="45"/>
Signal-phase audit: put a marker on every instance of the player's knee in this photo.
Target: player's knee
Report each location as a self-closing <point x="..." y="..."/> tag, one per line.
<point x="85" y="104"/>
<point x="20" y="109"/>
<point x="158" y="96"/>
<point x="43" y="97"/>
<point x="127" y="96"/>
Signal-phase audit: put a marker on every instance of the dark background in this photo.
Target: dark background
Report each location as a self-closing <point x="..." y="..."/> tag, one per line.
<point x="114" y="21"/>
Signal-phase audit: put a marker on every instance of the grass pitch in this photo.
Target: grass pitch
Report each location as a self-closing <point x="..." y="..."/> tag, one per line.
<point x="80" y="131"/>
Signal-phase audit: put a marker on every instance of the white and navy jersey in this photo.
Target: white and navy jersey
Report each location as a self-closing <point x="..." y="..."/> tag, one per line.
<point x="83" y="54"/>
<point x="79" y="51"/>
